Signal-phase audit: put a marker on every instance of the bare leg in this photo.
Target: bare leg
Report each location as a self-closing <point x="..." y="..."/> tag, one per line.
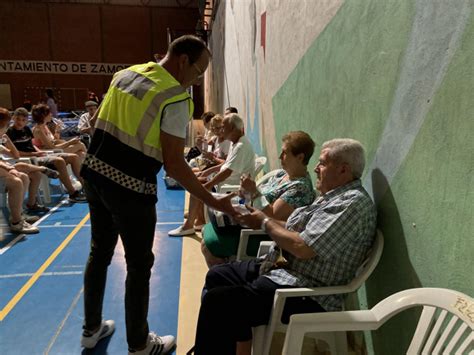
<point x="75" y="162"/>
<point x="35" y="179"/>
<point x="60" y="165"/>
<point x="14" y="186"/>
<point x="192" y="212"/>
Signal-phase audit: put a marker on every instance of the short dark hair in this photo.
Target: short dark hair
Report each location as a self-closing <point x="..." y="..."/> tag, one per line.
<point x="21" y="111"/>
<point x="231" y="109"/>
<point x="207" y="116"/>
<point x="39" y="112"/>
<point x="300" y="142"/>
<point x="190" y="45"/>
<point x="4" y="116"/>
<point x="50" y="93"/>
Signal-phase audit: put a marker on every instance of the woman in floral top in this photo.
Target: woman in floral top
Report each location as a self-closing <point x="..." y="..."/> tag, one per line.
<point x="288" y="189"/>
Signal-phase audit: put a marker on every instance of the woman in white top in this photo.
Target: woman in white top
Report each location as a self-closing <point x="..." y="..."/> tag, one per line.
<point x="44" y="139"/>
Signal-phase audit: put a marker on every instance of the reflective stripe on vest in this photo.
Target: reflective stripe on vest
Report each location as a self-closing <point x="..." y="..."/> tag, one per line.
<point x="134" y="104"/>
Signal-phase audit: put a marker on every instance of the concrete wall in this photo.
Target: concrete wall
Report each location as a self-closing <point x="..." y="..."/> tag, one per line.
<point x="398" y="75"/>
<point x="82" y="33"/>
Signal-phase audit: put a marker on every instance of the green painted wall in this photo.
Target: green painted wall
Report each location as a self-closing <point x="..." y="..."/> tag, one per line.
<point x="345" y="85"/>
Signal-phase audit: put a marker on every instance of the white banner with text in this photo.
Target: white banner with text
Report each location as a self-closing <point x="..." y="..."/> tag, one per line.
<point x="45" y="67"/>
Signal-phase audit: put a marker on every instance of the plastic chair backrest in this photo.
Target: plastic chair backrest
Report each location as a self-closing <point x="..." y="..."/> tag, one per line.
<point x="259" y="164"/>
<point x="369" y="264"/>
<point x="446" y="325"/>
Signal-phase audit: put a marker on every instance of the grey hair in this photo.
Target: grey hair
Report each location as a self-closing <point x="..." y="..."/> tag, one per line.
<point x="235" y="120"/>
<point x="349" y="151"/>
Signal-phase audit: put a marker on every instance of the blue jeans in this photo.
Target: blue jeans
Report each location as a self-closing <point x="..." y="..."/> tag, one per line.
<point x="134" y="221"/>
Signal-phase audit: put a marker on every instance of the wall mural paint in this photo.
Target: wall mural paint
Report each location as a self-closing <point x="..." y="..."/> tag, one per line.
<point x="398" y="76"/>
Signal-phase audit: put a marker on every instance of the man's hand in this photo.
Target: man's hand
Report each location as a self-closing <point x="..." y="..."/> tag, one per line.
<point x="224" y="204"/>
<point x="39" y="154"/>
<point x="253" y="219"/>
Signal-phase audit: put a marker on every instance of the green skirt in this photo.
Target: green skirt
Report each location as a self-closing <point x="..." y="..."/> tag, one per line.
<point x="225" y="241"/>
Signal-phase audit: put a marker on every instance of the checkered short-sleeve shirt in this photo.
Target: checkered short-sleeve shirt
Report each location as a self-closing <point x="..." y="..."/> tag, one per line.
<point x="340" y="227"/>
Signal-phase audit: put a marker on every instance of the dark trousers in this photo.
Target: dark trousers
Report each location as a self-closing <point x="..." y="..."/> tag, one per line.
<point x="135" y="222"/>
<point x="235" y="299"/>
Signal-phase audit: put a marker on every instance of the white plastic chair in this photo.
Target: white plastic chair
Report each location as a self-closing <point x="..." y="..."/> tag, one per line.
<point x="43" y="191"/>
<point x="263" y="335"/>
<point x="446" y="325"/>
<point x="259" y="165"/>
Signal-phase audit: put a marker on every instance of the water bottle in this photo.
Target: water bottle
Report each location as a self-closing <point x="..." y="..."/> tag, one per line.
<point x="246" y="199"/>
<point x="204" y="146"/>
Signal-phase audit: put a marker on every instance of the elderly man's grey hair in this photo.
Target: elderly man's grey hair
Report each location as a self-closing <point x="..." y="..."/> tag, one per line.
<point x="235" y="121"/>
<point x="349" y="151"/>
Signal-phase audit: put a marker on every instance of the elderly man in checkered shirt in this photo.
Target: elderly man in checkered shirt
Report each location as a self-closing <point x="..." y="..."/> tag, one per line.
<point x="322" y="244"/>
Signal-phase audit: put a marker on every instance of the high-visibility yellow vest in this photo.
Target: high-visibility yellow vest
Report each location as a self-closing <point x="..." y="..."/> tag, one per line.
<point x="132" y="108"/>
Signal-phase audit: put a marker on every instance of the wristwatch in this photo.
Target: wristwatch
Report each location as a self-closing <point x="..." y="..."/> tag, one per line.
<point x="263" y="226"/>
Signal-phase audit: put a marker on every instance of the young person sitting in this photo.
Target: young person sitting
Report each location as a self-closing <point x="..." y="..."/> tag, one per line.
<point x="22" y="138"/>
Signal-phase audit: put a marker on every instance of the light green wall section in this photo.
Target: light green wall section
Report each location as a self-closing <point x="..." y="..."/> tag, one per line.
<point x="344" y="84"/>
<point x="428" y="213"/>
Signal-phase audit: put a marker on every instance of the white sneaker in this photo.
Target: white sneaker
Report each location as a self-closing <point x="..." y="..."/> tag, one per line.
<point x="180" y="232"/>
<point x="107" y="327"/>
<point x="23" y="227"/>
<point x="156" y="345"/>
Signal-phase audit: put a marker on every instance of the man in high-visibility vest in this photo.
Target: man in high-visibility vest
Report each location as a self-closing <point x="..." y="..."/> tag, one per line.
<point x="140" y="126"/>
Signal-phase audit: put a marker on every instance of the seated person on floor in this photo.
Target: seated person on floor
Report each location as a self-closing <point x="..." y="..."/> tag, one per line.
<point x="21" y="136"/>
<point x="44" y="139"/>
<point x="15" y="183"/>
<point x="241" y="160"/>
<point x="322" y="244"/>
<point x="218" y="147"/>
<point x="289" y="189"/>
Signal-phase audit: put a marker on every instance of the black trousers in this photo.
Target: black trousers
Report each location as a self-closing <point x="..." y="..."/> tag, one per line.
<point x="135" y="221"/>
<point x="235" y="299"/>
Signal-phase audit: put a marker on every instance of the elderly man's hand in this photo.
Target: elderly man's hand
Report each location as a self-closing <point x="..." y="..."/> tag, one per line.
<point x="253" y="219"/>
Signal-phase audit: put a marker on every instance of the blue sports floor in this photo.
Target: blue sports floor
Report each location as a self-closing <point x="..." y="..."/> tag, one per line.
<point x="41" y="296"/>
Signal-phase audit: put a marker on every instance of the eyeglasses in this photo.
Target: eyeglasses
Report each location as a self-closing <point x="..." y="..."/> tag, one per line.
<point x="199" y="70"/>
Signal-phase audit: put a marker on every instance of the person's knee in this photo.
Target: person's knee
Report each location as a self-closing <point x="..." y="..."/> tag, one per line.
<point x="35" y="176"/>
<point x="99" y="256"/>
<point x="140" y="263"/>
<point x="58" y="163"/>
<point x="13" y="183"/>
<point x="204" y="249"/>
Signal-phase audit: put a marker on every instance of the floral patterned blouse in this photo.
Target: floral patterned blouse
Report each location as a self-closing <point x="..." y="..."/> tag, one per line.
<point x="297" y="193"/>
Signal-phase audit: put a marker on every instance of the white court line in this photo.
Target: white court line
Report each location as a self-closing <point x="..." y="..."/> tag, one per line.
<point x="21" y="236"/>
<point x="57" y="225"/>
<point x="61" y="326"/>
<point x="52" y="273"/>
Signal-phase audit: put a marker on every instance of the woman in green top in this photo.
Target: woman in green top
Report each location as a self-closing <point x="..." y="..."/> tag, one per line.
<point x="288" y="189"/>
